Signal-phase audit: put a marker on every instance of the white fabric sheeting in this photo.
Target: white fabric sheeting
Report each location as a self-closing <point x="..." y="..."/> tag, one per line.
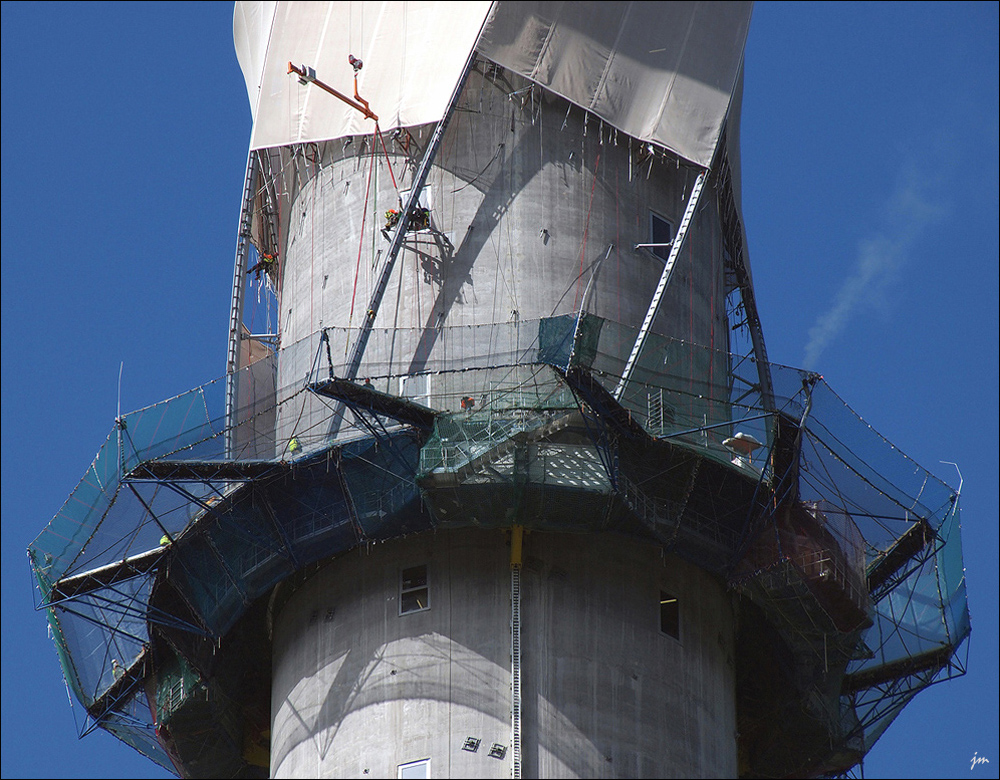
<point x="668" y="73"/>
<point x="413" y="55"/>
<point x="660" y="72"/>
<point x="251" y="28"/>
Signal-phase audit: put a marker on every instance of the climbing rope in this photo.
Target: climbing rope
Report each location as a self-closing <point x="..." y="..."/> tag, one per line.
<point x="378" y="132"/>
<point x="361" y="241"/>
<point x="586" y="229"/>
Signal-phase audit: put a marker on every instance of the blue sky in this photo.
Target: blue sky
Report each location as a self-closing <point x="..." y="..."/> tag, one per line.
<point x="870" y="192"/>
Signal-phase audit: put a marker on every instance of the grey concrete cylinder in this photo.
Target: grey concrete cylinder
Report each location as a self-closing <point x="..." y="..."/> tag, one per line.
<point x="360" y="689"/>
<point x="536" y="209"/>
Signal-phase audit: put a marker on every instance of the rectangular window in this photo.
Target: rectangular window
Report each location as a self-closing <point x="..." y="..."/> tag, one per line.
<point x="661" y="233"/>
<point x="413" y="590"/>
<point x="417" y="387"/>
<point x="415" y="770"/>
<point x="670" y="615"/>
<point x="420" y="217"/>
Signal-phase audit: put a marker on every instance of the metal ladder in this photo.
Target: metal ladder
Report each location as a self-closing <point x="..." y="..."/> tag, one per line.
<point x="515" y="671"/>
<point x="668" y="269"/>
<point x="236" y="305"/>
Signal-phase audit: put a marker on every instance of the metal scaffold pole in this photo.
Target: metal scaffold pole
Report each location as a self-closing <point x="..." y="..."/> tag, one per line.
<point x="515" y="651"/>
<point x="236" y="305"/>
<point x="668" y="269"/>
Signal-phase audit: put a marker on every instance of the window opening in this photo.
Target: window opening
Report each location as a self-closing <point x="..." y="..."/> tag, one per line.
<point x="415" y="770"/>
<point x="670" y="615"/>
<point x="413" y="590"/>
<point x="661" y="233"/>
<point x="418" y="388"/>
<point x="420" y="217"/>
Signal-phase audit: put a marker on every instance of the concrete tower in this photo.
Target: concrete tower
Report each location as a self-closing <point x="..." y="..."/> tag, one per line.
<point x="502" y="482"/>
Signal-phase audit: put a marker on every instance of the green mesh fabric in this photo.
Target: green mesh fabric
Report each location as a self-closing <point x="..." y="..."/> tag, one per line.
<point x="656" y="462"/>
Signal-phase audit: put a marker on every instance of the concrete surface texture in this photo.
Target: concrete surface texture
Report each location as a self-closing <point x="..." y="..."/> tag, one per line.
<point x="535" y="211"/>
<point x="360" y="690"/>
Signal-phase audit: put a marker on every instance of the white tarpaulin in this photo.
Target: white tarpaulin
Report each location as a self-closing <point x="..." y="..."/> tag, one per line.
<point x="413" y="55"/>
<point x="661" y="72"/>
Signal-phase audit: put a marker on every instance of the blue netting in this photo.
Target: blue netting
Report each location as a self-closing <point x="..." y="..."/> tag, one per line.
<point x="229" y="538"/>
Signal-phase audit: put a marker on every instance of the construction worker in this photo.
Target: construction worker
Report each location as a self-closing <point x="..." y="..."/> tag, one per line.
<point x="420" y="219"/>
<point x="266" y="264"/>
<point x="294" y="446"/>
<point x="391" y="218"/>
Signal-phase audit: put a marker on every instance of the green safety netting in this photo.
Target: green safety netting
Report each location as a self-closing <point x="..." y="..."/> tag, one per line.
<point x="223" y="506"/>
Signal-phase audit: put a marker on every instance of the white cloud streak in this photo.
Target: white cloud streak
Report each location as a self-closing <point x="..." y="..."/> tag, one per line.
<point x="879" y="260"/>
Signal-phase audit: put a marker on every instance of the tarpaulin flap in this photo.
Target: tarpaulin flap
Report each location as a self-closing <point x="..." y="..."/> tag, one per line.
<point x="413" y="55"/>
<point x="661" y="72"/>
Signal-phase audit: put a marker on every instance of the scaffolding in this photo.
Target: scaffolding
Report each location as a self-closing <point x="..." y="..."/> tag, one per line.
<point x="193" y="511"/>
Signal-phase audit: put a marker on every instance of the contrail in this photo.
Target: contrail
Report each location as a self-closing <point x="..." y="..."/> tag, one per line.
<point x="879" y="259"/>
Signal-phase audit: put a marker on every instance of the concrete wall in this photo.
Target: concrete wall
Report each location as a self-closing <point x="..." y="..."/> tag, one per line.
<point x="358" y="689"/>
<point x="526" y="197"/>
<point x="506" y="171"/>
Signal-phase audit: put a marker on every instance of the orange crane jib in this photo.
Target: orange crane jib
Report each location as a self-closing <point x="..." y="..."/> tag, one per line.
<point x="307" y="75"/>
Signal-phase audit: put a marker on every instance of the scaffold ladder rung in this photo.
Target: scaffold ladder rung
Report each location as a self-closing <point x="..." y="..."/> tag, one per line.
<point x="668" y="269"/>
<point x="515" y="671"/>
<point x="236" y="304"/>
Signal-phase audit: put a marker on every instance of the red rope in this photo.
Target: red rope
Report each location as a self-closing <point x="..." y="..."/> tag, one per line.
<point x="361" y="241"/>
<point x="618" y="243"/>
<point x="691" y="338"/>
<point x="281" y="263"/>
<point x="312" y="255"/>
<point x="586" y="228"/>
<point x="711" y="331"/>
<point x="388" y="161"/>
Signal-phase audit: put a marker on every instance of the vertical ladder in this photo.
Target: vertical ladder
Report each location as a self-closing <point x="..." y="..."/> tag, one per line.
<point x="236" y="304"/>
<point x="515" y="671"/>
<point x="654" y="412"/>
<point x="668" y="269"/>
